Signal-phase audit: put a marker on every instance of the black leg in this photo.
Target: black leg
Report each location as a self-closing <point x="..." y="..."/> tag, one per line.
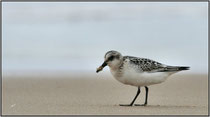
<point x="147" y="90"/>
<point x="145" y="103"/>
<point x="138" y="92"/>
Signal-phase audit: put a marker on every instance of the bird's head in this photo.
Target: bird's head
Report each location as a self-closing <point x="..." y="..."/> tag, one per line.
<point x="112" y="59"/>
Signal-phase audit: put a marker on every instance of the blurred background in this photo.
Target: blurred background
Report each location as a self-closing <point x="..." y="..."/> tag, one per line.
<point x="72" y="37"/>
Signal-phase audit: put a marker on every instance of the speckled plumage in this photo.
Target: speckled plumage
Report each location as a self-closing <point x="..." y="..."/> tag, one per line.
<point x="144" y="64"/>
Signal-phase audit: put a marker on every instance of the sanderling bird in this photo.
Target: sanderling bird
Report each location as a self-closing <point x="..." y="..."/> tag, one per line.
<point x="139" y="72"/>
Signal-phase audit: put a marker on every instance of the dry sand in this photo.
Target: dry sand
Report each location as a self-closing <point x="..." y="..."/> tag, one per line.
<point x="179" y="95"/>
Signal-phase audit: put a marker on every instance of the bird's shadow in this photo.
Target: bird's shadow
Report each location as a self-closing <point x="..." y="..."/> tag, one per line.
<point x="161" y="106"/>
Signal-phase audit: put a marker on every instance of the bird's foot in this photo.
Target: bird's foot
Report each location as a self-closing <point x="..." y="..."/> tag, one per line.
<point x="126" y="104"/>
<point x="140" y="104"/>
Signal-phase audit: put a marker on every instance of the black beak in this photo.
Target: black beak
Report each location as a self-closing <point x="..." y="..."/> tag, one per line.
<point x="101" y="67"/>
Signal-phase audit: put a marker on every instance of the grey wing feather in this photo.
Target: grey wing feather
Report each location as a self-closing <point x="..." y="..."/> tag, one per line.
<point x="146" y="64"/>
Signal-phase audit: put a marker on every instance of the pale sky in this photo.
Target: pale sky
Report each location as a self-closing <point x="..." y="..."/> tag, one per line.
<point x="66" y="36"/>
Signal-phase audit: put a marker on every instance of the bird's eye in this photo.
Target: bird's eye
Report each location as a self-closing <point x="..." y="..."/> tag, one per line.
<point x="111" y="58"/>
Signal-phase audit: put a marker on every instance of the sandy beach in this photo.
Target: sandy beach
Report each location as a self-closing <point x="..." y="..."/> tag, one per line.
<point x="101" y="95"/>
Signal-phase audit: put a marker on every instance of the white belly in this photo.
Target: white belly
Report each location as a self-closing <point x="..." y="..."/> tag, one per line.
<point x="131" y="77"/>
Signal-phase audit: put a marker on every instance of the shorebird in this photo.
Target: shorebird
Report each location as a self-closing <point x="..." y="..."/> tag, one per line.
<point x="139" y="72"/>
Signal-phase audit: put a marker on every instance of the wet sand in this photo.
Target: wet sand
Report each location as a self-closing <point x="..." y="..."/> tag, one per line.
<point x="101" y="95"/>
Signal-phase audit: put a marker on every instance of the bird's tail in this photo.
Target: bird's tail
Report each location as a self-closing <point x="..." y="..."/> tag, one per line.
<point x="174" y="68"/>
<point x="183" y="68"/>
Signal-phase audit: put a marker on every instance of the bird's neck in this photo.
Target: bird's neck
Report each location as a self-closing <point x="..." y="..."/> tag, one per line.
<point x="116" y="67"/>
<point x="117" y="70"/>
